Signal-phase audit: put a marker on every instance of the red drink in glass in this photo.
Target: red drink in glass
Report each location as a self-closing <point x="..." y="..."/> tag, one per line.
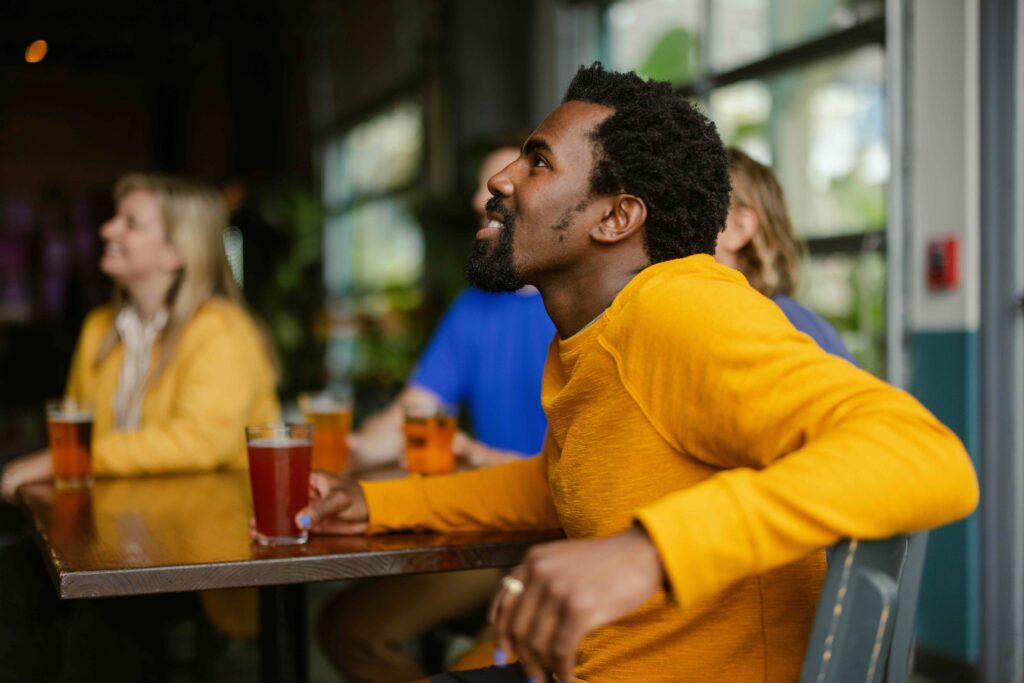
<point x="279" y="464"/>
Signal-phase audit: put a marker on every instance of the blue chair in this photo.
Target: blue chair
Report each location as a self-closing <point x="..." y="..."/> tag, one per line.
<point x="864" y="626"/>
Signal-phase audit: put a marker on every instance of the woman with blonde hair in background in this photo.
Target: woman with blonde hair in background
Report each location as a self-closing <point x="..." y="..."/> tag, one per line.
<point x="173" y="369"/>
<point x="758" y="241"/>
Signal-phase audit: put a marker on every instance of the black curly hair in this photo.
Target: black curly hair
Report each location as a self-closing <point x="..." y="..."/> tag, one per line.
<point x="658" y="147"/>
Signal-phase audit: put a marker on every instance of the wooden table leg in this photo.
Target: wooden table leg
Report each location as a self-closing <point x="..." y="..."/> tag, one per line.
<point x="283" y="639"/>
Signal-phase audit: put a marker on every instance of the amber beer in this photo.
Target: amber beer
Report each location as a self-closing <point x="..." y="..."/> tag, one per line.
<point x="70" y="429"/>
<point x="331" y="417"/>
<point x="428" y="440"/>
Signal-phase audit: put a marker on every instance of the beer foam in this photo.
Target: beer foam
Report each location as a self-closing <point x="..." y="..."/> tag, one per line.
<point x="77" y="416"/>
<point x="279" y="442"/>
<point x="323" y="404"/>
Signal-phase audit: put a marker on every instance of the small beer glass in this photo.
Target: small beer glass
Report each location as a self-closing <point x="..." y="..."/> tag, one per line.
<point x="330" y="413"/>
<point x="69" y="425"/>
<point x="429" y="432"/>
<point x="279" y="464"/>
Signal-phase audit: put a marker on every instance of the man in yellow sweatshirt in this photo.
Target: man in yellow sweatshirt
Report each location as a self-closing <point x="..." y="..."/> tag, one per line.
<point x="701" y="452"/>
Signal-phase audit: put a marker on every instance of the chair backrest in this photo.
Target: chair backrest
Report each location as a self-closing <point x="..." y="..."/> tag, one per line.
<point x="864" y="624"/>
<point x="902" y="648"/>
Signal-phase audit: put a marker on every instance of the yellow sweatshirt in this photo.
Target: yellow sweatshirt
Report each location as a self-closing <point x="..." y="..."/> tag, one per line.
<point x="693" y="407"/>
<point x="193" y="417"/>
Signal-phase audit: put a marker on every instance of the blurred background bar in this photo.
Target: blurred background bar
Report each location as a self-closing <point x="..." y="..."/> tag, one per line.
<point x="346" y="136"/>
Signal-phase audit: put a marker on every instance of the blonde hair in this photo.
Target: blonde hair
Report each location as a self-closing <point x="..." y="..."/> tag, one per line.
<point x="195" y="218"/>
<point x="770" y="260"/>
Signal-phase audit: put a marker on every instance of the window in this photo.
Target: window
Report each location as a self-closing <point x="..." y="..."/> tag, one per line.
<point x="800" y="86"/>
<point x="743" y="31"/>
<point x="373" y="243"/>
<point x="658" y="38"/>
<point x="822" y="129"/>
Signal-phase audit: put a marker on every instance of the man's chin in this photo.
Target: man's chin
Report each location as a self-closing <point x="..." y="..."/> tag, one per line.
<point x="483" y="273"/>
<point x="490" y="283"/>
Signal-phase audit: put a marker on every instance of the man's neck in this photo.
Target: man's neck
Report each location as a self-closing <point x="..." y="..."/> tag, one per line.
<point x="574" y="305"/>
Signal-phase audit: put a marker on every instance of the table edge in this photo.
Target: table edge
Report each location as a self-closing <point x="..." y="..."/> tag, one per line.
<point x="99" y="583"/>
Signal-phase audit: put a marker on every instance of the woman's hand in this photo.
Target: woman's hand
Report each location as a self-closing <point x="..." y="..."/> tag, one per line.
<point x="28" y="469"/>
<point x="565" y="590"/>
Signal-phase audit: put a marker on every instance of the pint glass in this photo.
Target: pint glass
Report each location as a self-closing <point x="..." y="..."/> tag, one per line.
<point x="69" y="425"/>
<point x="331" y="417"/>
<point x="428" y="439"/>
<point x="279" y="463"/>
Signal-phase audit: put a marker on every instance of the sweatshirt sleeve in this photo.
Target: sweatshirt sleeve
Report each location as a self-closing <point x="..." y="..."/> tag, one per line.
<point x="218" y="378"/>
<point x="811" y="448"/>
<point x="510" y="497"/>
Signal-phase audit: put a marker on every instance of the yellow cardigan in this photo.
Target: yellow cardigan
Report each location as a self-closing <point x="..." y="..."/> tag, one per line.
<point x="693" y="407"/>
<point x="219" y="379"/>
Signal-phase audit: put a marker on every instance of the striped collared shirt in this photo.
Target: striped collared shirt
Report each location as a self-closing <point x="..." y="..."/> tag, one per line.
<point x="138" y="337"/>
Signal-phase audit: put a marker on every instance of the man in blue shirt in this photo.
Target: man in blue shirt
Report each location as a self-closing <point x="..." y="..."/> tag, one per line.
<point x="487" y="355"/>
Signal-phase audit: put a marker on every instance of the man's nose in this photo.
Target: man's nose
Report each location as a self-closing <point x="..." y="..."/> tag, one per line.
<point x="500" y="184"/>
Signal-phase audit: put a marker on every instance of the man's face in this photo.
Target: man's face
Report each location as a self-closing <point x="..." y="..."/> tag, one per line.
<point x="540" y="214"/>
<point x="493" y="163"/>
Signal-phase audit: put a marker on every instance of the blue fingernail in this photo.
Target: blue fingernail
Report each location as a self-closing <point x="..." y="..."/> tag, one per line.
<point x="500" y="658"/>
<point x="531" y="679"/>
<point x="305" y="521"/>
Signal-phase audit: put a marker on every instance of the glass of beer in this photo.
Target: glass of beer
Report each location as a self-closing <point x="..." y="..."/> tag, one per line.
<point x="429" y="432"/>
<point x="69" y="425"/>
<point x="279" y="464"/>
<point x="330" y="413"/>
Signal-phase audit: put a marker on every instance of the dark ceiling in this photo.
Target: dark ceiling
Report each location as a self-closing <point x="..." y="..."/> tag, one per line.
<point x="122" y="36"/>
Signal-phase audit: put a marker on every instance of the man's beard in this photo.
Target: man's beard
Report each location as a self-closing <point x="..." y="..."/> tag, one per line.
<point x="495" y="271"/>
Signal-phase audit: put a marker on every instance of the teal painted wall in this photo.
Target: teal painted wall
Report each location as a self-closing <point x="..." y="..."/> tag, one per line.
<point x="945" y="379"/>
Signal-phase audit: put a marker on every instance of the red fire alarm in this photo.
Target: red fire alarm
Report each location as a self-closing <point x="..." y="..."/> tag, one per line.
<point x="943" y="263"/>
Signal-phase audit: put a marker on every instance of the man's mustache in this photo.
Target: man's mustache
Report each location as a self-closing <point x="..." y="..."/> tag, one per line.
<point x="494" y="204"/>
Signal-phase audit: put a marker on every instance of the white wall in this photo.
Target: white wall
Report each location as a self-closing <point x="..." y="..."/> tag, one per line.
<point x="943" y="158"/>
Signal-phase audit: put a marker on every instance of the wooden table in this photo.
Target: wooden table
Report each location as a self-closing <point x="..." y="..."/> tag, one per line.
<point x="151" y="535"/>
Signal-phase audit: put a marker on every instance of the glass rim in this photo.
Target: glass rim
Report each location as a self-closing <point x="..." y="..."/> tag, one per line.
<point x="324" y="401"/>
<point x="69" y="407"/>
<point x="271" y="430"/>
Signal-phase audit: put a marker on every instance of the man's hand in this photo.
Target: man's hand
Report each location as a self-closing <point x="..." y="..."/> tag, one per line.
<point x="25" y="470"/>
<point x="375" y="448"/>
<point x="381" y="440"/>
<point x="476" y="454"/>
<point x="336" y="506"/>
<point x="564" y="590"/>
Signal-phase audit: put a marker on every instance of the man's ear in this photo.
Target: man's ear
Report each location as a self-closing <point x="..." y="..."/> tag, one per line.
<point x="625" y="215"/>
<point x="740" y="228"/>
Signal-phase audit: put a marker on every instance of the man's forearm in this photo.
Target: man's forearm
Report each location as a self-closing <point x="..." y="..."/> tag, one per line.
<point x="514" y="496"/>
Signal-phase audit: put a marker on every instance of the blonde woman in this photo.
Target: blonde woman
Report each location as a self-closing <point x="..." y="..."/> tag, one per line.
<point x="758" y="241"/>
<point x="174" y="368"/>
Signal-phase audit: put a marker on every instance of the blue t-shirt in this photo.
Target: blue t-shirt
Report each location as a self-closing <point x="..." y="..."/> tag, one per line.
<point x="814" y="326"/>
<point x="488" y="354"/>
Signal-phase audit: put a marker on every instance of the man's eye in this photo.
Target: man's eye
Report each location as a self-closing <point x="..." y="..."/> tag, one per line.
<point x="540" y="161"/>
